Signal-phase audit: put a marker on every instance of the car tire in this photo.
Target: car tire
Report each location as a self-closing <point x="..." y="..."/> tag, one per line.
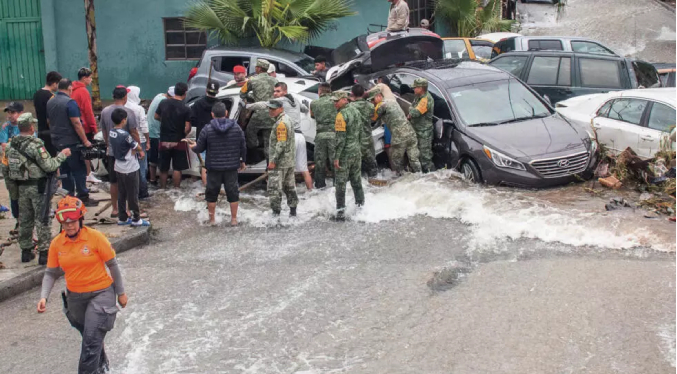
<point x="470" y="171"/>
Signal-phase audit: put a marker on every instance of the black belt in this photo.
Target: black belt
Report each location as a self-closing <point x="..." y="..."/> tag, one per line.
<point x="29" y="182"/>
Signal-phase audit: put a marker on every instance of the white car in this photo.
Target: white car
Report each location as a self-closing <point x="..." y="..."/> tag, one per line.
<point x="640" y="119"/>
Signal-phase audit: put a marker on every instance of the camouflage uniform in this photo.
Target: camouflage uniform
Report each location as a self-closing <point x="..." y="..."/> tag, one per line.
<point x="403" y="135"/>
<point x="283" y="154"/>
<point x="324" y="112"/>
<point x="259" y="88"/>
<point x="31" y="181"/>
<point x="366" y="110"/>
<point x="421" y="112"/>
<point x="348" y="153"/>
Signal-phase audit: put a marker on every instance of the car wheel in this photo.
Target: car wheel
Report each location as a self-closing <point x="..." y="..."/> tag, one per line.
<point x="470" y="171"/>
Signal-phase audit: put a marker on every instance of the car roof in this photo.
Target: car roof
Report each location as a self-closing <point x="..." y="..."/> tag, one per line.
<point x="459" y="73"/>
<point x="664" y="94"/>
<point x="258" y="51"/>
<point x="498" y="36"/>
<point x="559" y="52"/>
<point x="294" y="86"/>
<point x="480" y="39"/>
<point x="556" y="37"/>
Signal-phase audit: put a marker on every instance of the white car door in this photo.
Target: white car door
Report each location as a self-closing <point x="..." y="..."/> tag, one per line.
<point x="307" y="123"/>
<point x="660" y="120"/>
<point x="618" y="124"/>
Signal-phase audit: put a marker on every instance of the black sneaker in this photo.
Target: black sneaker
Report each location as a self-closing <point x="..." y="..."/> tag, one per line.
<point x="42" y="258"/>
<point x="340" y="216"/>
<point x="276" y="213"/>
<point x="292" y="212"/>
<point x="27" y="256"/>
<point x="89" y="203"/>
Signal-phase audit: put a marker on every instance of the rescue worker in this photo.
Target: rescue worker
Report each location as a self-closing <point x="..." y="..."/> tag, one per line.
<point x="292" y="108"/>
<point x="28" y="163"/>
<point x="282" y="160"/>
<point x="403" y="135"/>
<point x="324" y="113"/>
<point x="348" y="157"/>
<point x="398" y="17"/>
<point x="259" y="88"/>
<point x="421" y="118"/>
<point x="366" y="110"/>
<point x="82" y="254"/>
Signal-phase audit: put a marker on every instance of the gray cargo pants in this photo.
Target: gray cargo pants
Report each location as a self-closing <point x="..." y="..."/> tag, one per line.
<point x="93" y="315"/>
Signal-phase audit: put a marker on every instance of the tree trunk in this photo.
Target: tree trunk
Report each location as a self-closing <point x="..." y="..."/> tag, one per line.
<point x="90" y="23"/>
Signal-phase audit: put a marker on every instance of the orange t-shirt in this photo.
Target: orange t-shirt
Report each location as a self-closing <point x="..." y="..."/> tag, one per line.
<point x="82" y="260"/>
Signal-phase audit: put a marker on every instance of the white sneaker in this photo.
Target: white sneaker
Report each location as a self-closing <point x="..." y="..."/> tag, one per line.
<point x="92" y="179"/>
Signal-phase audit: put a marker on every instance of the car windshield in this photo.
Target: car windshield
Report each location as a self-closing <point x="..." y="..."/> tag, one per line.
<point x="497" y="102"/>
<point x="307" y="64"/>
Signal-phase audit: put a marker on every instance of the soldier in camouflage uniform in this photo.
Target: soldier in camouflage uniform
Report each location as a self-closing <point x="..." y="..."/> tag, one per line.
<point x="282" y="160"/>
<point x="366" y="110"/>
<point x="324" y="112"/>
<point x="348" y="157"/>
<point x="403" y="136"/>
<point x="259" y="87"/>
<point x="27" y="164"/>
<point x="421" y="118"/>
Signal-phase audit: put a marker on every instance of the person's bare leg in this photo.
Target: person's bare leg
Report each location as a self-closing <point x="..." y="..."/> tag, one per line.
<point x="176" y="178"/>
<point x="114" y="198"/>
<point x="211" y="207"/>
<point x="163" y="179"/>
<point x="308" y="180"/>
<point x="204" y="177"/>
<point x="88" y="163"/>
<point x="233" y="214"/>
<point x="153" y="172"/>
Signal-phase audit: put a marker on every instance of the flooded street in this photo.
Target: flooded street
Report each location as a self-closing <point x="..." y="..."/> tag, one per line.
<point x="432" y="275"/>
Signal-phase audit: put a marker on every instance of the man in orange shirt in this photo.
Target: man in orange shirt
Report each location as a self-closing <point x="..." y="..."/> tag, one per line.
<point x="82" y="254"/>
<point x="84" y="100"/>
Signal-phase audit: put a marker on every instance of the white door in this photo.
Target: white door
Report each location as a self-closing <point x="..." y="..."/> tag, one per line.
<point x="661" y="119"/>
<point x="307" y="123"/>
<point x="619" y="128"/>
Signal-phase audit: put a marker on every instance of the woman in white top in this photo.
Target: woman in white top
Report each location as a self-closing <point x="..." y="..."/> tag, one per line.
<point x="134" y="103"/>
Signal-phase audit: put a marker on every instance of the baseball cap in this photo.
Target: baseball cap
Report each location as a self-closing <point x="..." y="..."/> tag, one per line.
<point x="271" y="68"/>
<point x="420" y="82"/>
<point x="14" y="106"/>
<point x="120" y="91"/>
<point x="373" y="92"/>
<point x="261" y="63"/>
<point x="213" y="88"/>
<point x="338" y="95"/>
<point x="170" y="91"/>
<point x="26" y="118"/>
<point x="239" y="69"/>
<point x="274" y="104"/>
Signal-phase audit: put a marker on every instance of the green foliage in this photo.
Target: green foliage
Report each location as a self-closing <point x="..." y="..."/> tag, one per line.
<point x="468" y="19"/>
<point x="269" y="21"/>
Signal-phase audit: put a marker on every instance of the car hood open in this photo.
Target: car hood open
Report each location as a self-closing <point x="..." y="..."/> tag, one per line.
<point x="533" y="138"/>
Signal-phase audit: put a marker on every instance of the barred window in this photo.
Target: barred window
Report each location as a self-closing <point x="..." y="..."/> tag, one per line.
<point x="181" y="42"/>
<point x="420" y="9"/>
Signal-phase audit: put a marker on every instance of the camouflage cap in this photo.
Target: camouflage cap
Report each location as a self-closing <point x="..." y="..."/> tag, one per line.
<point x="338" y="95"/>
<point x="264" y="64"/>
<point x="274" y="104"/>
<point x="420" y="82"/>
<point x="373" y="92"/>
<point x="26" y="119"/>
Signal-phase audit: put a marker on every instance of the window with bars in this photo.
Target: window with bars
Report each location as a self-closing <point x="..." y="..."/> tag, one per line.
<point x="420" y="9"/>
<point x="181" y="42"/>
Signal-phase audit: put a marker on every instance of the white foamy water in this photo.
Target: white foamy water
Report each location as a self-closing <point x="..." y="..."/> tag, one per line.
<point x="493" y="215"/>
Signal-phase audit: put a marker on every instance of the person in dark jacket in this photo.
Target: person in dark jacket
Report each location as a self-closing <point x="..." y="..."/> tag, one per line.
<point x="223" y="140"/>
<point x="202" y="114"/>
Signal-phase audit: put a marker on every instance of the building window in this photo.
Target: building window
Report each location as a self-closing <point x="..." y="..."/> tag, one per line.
<point x="181" y="42"/>
<point x="420" y="9"/>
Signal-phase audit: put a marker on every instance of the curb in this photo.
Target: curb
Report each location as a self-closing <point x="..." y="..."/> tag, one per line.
<point x="33" y="278"/>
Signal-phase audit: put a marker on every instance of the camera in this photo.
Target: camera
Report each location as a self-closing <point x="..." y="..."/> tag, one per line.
<point x="96" y="151"/>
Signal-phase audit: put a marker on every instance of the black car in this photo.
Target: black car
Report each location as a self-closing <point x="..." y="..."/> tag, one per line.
<point x="563" y="75"/>
<point x="494" y="128"/>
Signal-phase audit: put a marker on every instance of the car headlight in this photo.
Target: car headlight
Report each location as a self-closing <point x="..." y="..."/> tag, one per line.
<point x="503" y="161"/>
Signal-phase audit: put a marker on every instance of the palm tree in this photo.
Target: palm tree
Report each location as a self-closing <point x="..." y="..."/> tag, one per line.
<point x="90" y="23"/>
<point x="468" y="18"/>
<point x="269" y="20"/>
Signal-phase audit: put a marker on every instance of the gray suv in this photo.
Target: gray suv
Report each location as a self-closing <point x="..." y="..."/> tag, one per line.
<point x="290" y="64"/>
<point x="494" y="128"/>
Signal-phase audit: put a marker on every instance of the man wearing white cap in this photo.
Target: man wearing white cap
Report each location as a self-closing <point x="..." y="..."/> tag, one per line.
<point x="154" y="133"/>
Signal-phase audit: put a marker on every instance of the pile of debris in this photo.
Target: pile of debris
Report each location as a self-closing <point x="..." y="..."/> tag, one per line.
<point x="654" y="178"/>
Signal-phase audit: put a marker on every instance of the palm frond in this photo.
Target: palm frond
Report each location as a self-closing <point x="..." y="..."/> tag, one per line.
<point x="202" y="17"/>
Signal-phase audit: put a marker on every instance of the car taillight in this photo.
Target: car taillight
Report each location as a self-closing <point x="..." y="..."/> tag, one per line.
<point x="192" y="73"/>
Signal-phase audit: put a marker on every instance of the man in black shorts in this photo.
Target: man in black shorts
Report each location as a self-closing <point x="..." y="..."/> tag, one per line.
<point x="174" y="117"/>
<point x="223" y="139"/>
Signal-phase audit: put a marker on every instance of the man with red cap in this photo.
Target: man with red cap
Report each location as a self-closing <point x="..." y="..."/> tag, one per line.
<point x="240" y="73"/>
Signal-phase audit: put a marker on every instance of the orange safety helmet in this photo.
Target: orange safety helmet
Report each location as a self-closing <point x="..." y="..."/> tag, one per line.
<point x="70" y="209"/>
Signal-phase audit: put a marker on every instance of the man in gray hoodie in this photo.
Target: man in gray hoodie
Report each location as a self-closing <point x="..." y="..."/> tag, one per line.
<point x="224" y="141"/>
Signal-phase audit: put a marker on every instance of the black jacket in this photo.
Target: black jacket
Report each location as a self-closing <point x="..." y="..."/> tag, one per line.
<point x="202" y="113"/>
<point x="223" y="139"/>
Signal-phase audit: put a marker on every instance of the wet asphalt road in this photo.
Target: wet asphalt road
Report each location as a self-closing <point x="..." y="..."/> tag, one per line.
<point x="398" y="296"/>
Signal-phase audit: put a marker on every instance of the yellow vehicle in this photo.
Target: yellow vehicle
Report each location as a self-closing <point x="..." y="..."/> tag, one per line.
<point x="468" y="48"/>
